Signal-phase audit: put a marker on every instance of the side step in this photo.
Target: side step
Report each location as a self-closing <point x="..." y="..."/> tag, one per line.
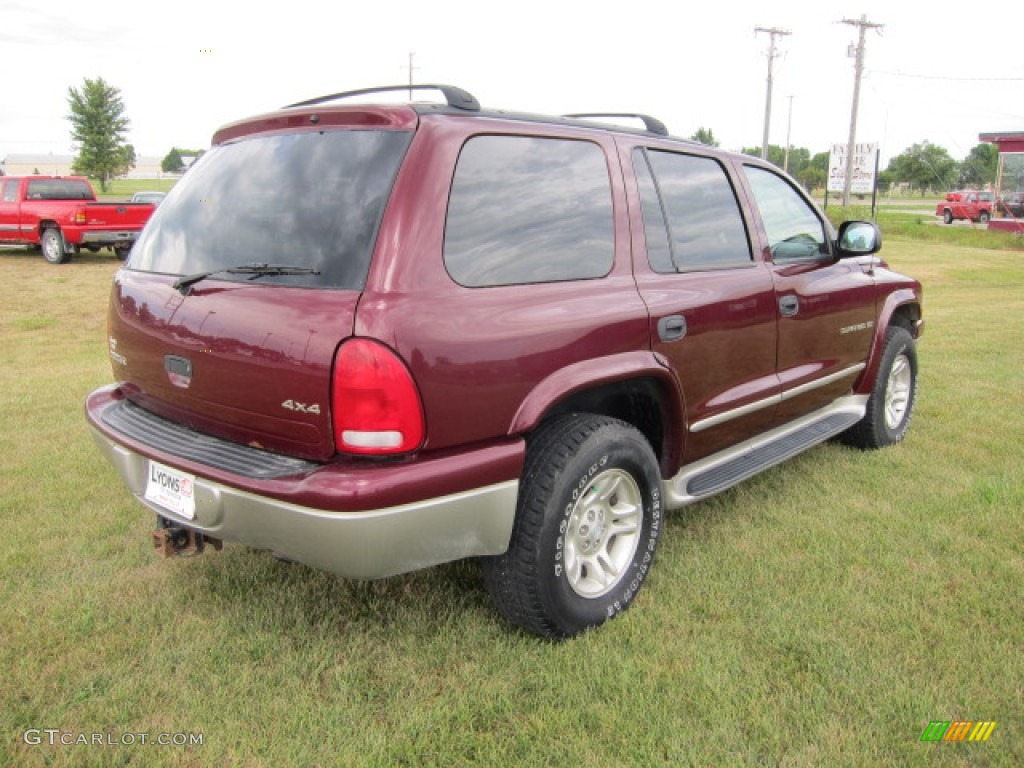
<point x="723" y="470"/>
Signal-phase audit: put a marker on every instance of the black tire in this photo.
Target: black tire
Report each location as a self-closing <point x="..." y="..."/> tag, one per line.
<point x="590" y="489"/>
<point x="122" y="253"/>
<point x="891" y="404"/>
<point x="947" y="216"/>
<point x="52" y="245"/>
<point x="984" y="216"/>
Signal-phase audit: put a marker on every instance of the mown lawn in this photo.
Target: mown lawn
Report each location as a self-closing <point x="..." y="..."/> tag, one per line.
<point x="821" y="614"/>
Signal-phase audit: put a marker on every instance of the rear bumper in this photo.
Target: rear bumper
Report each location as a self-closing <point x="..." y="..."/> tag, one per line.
<point x="363" y="543"/>
<point x="104" y="237"/>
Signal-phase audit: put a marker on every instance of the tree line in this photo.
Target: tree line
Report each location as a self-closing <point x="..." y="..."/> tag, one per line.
<point x="923" y="167"/>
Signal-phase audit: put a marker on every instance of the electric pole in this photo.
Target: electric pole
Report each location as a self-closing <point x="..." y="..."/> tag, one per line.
<point x="789" y="130"/>
<point x="411" y="68"/>
<point x="773" y="54"/>
<point x="864" y="25"/>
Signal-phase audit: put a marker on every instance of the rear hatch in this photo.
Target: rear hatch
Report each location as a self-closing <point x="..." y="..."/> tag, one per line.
<point x="228" y="314"/>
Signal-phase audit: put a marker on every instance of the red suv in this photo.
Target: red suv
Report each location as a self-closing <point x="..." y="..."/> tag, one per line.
<point x="378" y="337"/>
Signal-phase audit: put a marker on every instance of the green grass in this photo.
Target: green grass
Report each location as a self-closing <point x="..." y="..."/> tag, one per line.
<point x="820" y="614"/>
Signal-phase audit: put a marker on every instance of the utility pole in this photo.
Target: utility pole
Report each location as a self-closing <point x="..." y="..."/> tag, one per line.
<point x="864" y="25"/>
<point x="789" y="130"/>
<point x="411" y="68"/>
<point x="773" y="54"/>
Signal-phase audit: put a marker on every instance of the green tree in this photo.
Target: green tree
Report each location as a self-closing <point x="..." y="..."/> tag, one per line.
<point x="705" y="136"/>
<point x="924" y="166"/>
<point x="172" y="163"/>
<point x="98" y="127"/>
<point x="979" y="167"/>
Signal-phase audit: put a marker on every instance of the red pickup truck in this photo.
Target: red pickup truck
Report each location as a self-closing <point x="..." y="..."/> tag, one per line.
<point x="966" y="204"/>
<point x="61" y="215"/>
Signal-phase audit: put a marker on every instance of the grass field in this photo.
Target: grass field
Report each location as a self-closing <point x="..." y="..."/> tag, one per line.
<point x="820" y="614"/>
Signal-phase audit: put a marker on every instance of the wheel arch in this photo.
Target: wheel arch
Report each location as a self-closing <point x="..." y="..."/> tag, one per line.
<point x="633" y="387"/>
<point x="902" y="309"/>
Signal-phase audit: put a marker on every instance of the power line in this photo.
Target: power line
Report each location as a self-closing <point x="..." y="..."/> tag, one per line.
<point x="949" y="79"/>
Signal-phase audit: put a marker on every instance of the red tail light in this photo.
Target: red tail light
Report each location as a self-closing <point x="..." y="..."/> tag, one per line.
<point x="376" y="406"/>
<point x="80" y="217"/>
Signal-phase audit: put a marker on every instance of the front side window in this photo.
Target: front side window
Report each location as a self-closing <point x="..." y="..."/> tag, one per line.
<point x="795" y="233"/>
<point x="310" y="201"/>
<point x="705" y="226"/>
<point x="529" y="210"/>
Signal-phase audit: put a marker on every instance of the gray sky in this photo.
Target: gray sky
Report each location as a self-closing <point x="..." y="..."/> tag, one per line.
<point x="185" y="68"/>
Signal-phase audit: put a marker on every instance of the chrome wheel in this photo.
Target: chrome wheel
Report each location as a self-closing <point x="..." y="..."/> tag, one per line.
<point x="897" y="392"/>
<point x="603" y="533"/>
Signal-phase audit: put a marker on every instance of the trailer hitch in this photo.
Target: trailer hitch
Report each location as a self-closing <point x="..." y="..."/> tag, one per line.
<point x="171" y="540"/>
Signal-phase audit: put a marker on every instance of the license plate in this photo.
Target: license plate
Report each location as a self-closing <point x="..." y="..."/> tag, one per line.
<point x="171" y="489"/>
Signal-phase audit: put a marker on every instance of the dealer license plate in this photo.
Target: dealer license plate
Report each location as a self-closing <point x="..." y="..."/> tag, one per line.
<point x="171" y="489"/>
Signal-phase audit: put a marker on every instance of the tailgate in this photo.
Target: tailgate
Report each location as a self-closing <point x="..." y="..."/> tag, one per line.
<point x="118" y="215"/>
<point x="249" y="363"/>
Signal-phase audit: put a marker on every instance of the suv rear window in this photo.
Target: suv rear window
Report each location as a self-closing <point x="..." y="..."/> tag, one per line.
<point x="529" y="210"/>
<point x="300" y="199"/>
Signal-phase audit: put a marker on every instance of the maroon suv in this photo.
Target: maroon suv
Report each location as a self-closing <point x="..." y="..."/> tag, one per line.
<point x="374" y="338"/>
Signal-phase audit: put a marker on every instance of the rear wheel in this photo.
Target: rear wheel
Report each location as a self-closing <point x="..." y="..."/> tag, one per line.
<point x="52" y="245"/>
<point x="947" y="216"/>
<point x="891" y="404"/>
<point x="984" y="216"/>
<point x="122" y="253"/>
<point x="586" y="528"/>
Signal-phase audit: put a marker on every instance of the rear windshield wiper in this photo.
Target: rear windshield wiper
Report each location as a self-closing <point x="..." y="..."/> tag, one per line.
<point x="184" y="284"/>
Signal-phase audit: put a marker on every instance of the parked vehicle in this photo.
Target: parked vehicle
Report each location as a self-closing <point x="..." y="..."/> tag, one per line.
<point x="1012" y="205"/>
<point x="448" y="332"/>
<point x="967" y="204"/>
<point x="61" y="215"/>
<point x="149" y="197"/>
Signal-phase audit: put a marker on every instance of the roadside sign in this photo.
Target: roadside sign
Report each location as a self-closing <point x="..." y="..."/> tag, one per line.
<point x="864" y="165"/>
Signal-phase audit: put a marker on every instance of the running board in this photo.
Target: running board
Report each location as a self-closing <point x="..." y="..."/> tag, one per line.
<point x="725" y="469"/>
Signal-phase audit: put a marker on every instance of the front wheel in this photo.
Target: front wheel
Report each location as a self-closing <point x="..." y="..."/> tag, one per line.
<point x="587" y="526"/>
<point x="891" y="404"/>
<point x="52" y="245"/>
<point x="984" y="216"/>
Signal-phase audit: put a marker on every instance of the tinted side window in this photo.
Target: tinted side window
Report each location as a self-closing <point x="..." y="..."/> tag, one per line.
<point x="706" y="228"/>
<point x="10" y="191"/>
<point x="795" y="233"/>
<point x="529" y="210"/>
<point x="659" y="251"/>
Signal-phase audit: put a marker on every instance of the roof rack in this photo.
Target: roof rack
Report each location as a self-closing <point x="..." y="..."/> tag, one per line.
<point x="456" y="97"/>
<point x="652" y="124"/>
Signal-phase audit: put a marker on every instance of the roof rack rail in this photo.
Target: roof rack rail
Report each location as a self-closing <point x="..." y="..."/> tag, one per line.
<point x="456" y="97"/>
<point x="652" y="124"/>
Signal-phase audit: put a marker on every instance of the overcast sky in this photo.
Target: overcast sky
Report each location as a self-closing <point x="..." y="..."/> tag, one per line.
<point x="185" y="68"/>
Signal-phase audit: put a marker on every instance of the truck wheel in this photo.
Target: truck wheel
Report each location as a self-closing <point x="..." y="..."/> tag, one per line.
<point x="891" y="404"/>
<point x="122" y="253"/>
<point x="947" y="216"/>
<point x="52" y="245"/>
<point x="587" y="525"/>
<point x="984" y="216"/>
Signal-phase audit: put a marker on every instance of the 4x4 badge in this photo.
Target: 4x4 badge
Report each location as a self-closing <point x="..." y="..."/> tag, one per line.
<point x="179" y="370"/>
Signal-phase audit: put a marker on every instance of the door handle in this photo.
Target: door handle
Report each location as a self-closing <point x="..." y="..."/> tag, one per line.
<point x="672" y="328"/>
<point x="789" y="306"/>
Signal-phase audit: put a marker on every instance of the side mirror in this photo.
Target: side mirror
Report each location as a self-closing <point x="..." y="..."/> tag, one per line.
<point x="858" y="238"/>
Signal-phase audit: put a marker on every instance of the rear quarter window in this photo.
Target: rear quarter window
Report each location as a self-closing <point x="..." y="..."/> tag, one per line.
<point x="529" y="210"/>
